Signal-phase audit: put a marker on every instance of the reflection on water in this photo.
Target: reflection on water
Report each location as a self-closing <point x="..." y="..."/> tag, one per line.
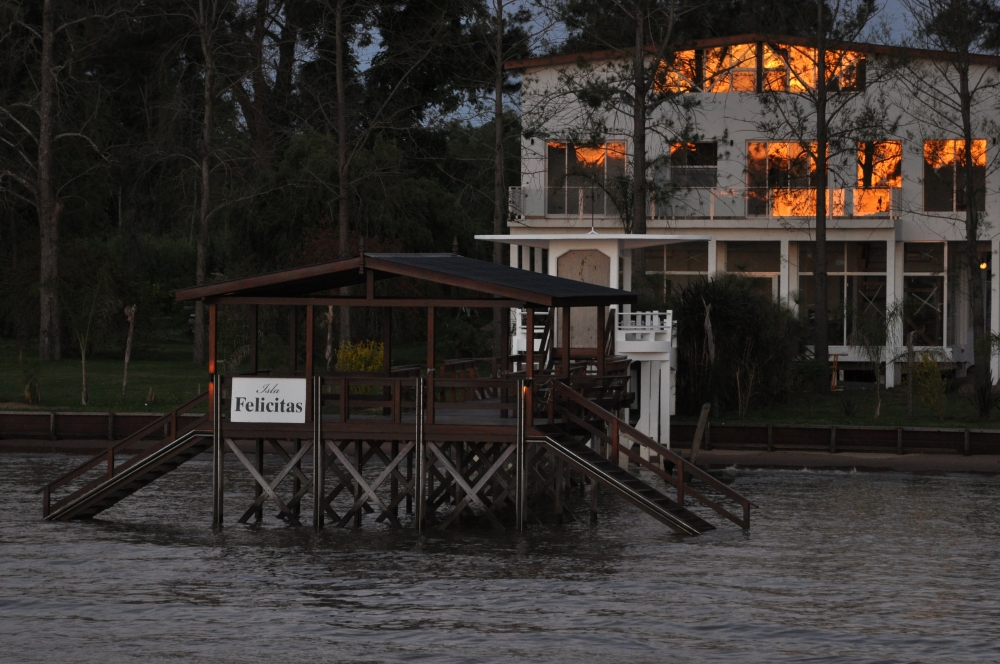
<point x="838" y="567"/>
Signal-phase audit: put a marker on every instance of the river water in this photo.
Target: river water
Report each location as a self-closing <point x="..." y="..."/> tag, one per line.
<point x="837" y="567"/>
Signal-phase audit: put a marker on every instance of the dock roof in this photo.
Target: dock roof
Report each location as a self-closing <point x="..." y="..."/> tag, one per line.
<point x="490" y="279"/>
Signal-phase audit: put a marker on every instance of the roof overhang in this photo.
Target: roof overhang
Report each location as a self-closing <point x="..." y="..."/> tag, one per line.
<point x="626" y="241"/>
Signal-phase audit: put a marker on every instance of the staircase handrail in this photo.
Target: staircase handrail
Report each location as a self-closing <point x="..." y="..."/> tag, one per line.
<point x="686" y="469"/>
<point x="109" y="454"/>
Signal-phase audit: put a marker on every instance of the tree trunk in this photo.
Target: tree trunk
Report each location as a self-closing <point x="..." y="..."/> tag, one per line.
<point x="130" y="313"/>
<point x="639" y="127"/>
<point x="49" y="208"/>
<point x="342" y="184"/>
<point x="822" y="340"/>
<point x="499" y="329"/>
<point x="980" y="350"/>
<point x="84" y="397"/>
<point x="201" y="267"/>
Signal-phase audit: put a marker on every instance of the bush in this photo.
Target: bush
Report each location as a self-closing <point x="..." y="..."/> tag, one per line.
<point x="359" y="357"/>
<point x="748" y="361"/>
<point x="928" y="384"/>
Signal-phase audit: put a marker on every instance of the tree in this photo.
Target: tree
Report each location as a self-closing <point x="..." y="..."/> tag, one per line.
<point x="826" y="116"/>
<point x="35" y="126"/>
<point x="631" y="84"/>
<point x="872" y="331"/>
<point x="957" y="95"/>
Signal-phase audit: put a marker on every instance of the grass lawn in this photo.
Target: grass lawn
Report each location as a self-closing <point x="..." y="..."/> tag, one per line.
<point x="832" y="407"/>
<point x="173" y="381"/>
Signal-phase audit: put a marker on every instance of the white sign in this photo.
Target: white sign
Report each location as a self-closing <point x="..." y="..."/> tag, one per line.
<point x="280" y="400"/>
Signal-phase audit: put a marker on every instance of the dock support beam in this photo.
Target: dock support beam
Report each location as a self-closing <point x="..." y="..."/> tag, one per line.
<point x="218" y="451"/>
<point x="319" y="456"/>
<point x="522" y="388"/>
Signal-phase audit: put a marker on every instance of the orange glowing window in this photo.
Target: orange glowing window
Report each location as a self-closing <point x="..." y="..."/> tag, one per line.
<point x="578" y="176"/>
<point x="781" y="179"/>
<point x="880" y="164"/>
<point x="793" y="69"/>
<point x="945" y="187"/>
<point x="680" y="76"/>
<point x="731" y="68"/>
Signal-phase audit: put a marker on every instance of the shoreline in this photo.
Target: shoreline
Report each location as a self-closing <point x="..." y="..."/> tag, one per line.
<point x="917" y="463"/>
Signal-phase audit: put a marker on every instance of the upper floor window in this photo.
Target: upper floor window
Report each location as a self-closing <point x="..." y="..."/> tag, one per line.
<point x="694" y="164"/>
<point x="782" y="68"/>
<point x="579" y="176"/>
<point x="944" y="181"/>
<point x="781" y="179"/>
<point x="680" y="76"/>
<point x="731" y="68"/>
<point x="880" y="169"/>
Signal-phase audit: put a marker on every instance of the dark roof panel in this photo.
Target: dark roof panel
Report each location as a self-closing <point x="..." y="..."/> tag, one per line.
<point x="445" y="269"/>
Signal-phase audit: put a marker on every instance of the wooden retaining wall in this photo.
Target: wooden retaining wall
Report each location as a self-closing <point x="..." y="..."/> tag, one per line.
<point x="827" y="438"/>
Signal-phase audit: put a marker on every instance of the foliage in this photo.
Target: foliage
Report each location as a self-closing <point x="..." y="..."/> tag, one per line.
<point x="735" y="346"/>
<point x="29" y="378"/>
<point x="929" y="385"/>
<point x="360" y="356"/>
<point x="871" y="329"/>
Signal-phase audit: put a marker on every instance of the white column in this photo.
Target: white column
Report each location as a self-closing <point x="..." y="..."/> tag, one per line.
<point x="784" y="285"/>
<point x="525" y="258"/>
<point x="615" y="266"/>
<point x="666" y="389"/>
<point x="893" y="294"/>
<point x="793" y="275"/>
<point x="713" y="257"/>
<point x="515" y="253"/>
<point x="995" y="302"/>
<point x="538" y="260"/>
<point x="626" y="257"/>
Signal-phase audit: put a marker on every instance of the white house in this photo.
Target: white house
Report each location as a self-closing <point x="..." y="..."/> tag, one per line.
<point x="735" y="196"/>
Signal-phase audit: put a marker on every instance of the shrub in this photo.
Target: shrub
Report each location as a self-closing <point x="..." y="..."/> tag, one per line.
<point x="359" y="357"/>
<point x="928" y="384"/>
<point x="736" y="347"/>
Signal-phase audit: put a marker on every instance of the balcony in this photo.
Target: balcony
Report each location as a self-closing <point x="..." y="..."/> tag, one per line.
<point x="636" y="333"/>
<point x="718" y="203"/>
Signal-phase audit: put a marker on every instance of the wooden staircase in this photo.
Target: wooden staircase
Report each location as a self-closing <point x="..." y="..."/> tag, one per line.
<point x="119" y="481"/>
<point x="590" y="439"/>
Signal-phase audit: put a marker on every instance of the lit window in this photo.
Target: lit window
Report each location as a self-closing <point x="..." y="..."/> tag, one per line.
<point x="944" y="182"/>
<point x="880" y="169"/>
<point x="731" y="68"/>
<point x="793" y="69"/>
<point x="579" y="175"/>
<point x="781" y="179"/>
<point x="680" y="76"/>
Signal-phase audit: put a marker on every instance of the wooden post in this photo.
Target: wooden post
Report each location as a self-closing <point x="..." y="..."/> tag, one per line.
<point x="833" y="440"/>
<point x="430" y="338"/>
<point x="394" y="483"/>
<point x="296" y="482"/>
<point x="309" y="342"/>
<point x="600" y="340"/>
<point x="217" y="445"/>
<point x="558" y="486"/>
<point x="700" y="432"/>
<point x="309" y="361"/>
<point x="519" y="453"/>
<point x="212" y="336"/>
<point x="770" y="438"/>
<point x="680" y="482"/>
<point x="899" y="440"/>
<point x="595" y="488"/>
<point x="319" y="454"/>
<point x="257" y="490"/>
<point x="529" y="368"/>
<point x="253" y="339"/>
<point x="565" y="342"/>
<point x="293" y="333"/>
<point x="966" y="447"/>
<point x="358" y="452"/>
<point x="387" y="341"/>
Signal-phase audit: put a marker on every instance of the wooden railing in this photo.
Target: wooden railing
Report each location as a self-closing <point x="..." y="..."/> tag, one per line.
<point x="394" y="399"/>
<point x="109" y="455"/>
<point x="579" y="411"/>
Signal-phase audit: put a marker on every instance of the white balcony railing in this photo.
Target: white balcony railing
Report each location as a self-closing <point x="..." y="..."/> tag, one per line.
<point x="721" y="203"/>
<point x="635" y="331"/>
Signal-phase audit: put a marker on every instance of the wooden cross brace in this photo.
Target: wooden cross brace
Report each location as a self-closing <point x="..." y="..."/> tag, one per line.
<point x="269" y="489"/>
<point x="346" y="481"/>
<point x="368" y="490"/>
<point x="471" y="493"/>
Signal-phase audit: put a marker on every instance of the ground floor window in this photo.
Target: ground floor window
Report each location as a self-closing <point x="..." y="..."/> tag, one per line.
<point x="758" y="261"/>
<point x="669" y="269"/>
<point x="856" y="284"/>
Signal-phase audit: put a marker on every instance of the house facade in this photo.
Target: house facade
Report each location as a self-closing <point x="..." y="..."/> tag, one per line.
<point x="731" y="164"/>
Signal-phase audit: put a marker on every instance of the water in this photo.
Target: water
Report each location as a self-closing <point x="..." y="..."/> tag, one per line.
<point x="838" y="567"/>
